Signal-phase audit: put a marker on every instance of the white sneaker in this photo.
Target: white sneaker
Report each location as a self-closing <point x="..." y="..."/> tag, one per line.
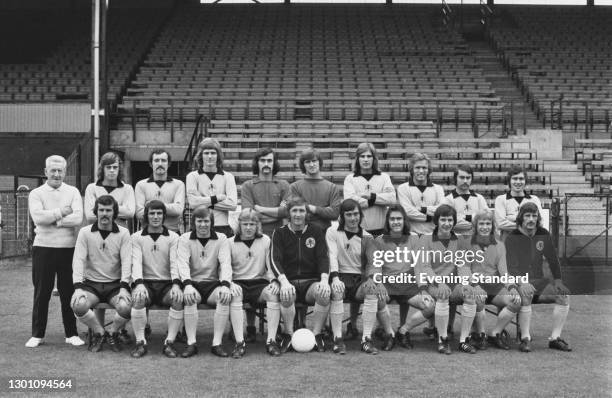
<point x="75" y="341"/>
<point x="34" y="342"/>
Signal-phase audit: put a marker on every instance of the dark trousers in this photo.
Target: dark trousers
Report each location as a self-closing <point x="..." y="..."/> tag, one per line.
<point x="46" y="262"/>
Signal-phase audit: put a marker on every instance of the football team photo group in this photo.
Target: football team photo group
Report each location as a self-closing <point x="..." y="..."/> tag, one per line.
<point x="306" y="198"/>
<point x="292" y="246"/>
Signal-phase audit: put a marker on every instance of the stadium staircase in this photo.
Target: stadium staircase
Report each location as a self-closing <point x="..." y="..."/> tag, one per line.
<point x="505" y="88"/>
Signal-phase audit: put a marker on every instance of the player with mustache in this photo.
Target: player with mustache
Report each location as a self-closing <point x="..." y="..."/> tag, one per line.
<point x="160" y="186"/>
<point x="526" y="248"/>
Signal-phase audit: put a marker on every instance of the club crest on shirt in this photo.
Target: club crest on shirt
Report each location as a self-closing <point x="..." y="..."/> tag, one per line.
<point x="310" y="243"/>
<point x="540" y="245"/>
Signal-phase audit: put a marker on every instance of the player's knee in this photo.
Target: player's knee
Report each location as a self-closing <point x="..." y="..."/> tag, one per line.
<point x="288" y="302"/>
<point x="322" y="300"/>
<point x="370" y="289"/>
<point x="428" y="309"/>
<point x="514" y="307"/>
<point x="177" y="305"/>
<point x="124" y="309"/>
<point x="480" y="307"/>
<point x="562" y="300"/>
<point x="236" y="300"/>
<point x="267" y="296"/>
<point x="139" y="303"/>
<point x="337" y="296"/>
<point x="382" y="304"/>
<point x="469" y="301"/>
<point x="237" y="290"/>
<point x="81" y="307"/>
<point x="526" y="300"/>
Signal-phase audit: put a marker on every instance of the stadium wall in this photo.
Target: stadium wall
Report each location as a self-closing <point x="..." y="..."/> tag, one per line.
<point x="45" y="118"/>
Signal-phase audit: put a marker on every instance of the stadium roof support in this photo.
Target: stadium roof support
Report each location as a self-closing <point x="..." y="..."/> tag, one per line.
<point x="98" y="58"/>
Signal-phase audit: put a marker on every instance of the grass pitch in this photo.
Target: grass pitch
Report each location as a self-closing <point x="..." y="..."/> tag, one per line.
<point x="587" y="371"/>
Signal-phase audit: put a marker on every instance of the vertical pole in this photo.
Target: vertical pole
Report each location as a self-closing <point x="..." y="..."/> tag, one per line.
<point x="103" y="80"/>
<point x="95" y="64"/>
<point x="607" y="225"/>
<point x="524" y="118"/>
<point x="565" y="229"/>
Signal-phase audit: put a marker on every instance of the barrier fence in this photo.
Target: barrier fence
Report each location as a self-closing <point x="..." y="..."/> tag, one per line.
<point x="16" y="232"/>
<point x="586" y="228"/>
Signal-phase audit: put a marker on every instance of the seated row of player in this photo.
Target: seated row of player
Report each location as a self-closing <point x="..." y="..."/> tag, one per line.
<point x="206" y="266"/>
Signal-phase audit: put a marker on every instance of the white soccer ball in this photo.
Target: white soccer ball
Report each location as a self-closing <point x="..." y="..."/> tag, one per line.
<point x="303" y="340"/>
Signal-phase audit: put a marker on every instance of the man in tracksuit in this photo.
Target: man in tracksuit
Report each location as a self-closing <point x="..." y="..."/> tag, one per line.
<point x="526" y="248"/>
<point x="301" y="267"/>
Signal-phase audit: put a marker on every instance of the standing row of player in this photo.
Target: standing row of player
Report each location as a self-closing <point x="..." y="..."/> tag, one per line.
<point x="212" y="190"/>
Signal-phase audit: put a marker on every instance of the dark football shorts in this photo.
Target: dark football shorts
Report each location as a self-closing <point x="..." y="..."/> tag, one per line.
<point x="301" y="288"/>
<point x="157" y="290"/>
<point x="540" y="285"/>
<point x="351" y="285"/>
<point x="492" y="289"/>
<point x="104" y="291"/>
<point x="251" y="290"/>
<point x="205" y="288"/>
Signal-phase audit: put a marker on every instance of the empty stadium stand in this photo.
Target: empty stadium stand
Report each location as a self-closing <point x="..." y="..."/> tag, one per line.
<point x="61" y="71"/>
<point x="561" y="59"/>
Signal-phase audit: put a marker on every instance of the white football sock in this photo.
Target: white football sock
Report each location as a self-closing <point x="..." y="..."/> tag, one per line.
<point x="441" y="317"/>
<point x="219" y="321"/>
<point x="273" y="316"/>
<point x="237" y="319"/>
<point x="370" y="309"/>
<point x="559" y="317"/>
<point x="525" y="321"/>
<point x="175" y="319"/>
<point x="336" y="312"/>
<point x="190" y="316"/>
<point x="139" y="321"/>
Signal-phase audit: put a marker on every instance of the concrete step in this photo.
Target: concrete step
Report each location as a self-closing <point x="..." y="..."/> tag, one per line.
<point x="568" y="179"/>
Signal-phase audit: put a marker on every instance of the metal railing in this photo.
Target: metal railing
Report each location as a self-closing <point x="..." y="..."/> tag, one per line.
<point x="199" y="132"/>
<point x="16" y="231"/>
<point x="587" y="227"/>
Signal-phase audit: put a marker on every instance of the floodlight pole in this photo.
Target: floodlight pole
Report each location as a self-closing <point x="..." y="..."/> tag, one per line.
<point x="98" y="48"/>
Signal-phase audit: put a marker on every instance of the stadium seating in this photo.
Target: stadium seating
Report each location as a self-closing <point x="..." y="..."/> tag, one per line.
<point x="62" y="70"/>
<point x="228" y="63"/>
<point x="561" y="59"/>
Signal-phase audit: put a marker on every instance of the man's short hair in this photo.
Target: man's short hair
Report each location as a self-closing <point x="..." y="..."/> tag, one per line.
<point x="362" y="148"/>
<point x="417" y="157"/>
<point x="209" y="143"/>
<point x="444" y="211"/>
<point x="293" y="201"/>
<point x="202" y="211"/>
<point x="263" y="152"/>
<point x="153" y="205"/>
<point x="309" y="154"/>
<point x="528" y="207"/>
<point x="514" y="170"/>
<point x="55" y="159"/>
<point x="107" y="200"/>
<point x="107" y="159"/>
<point x="159" y="151"/>
<point x="399" y="208"/>
<point x="465" y="168"/>
<point x="348" y="205"/>
<point x="250" y="215"/>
